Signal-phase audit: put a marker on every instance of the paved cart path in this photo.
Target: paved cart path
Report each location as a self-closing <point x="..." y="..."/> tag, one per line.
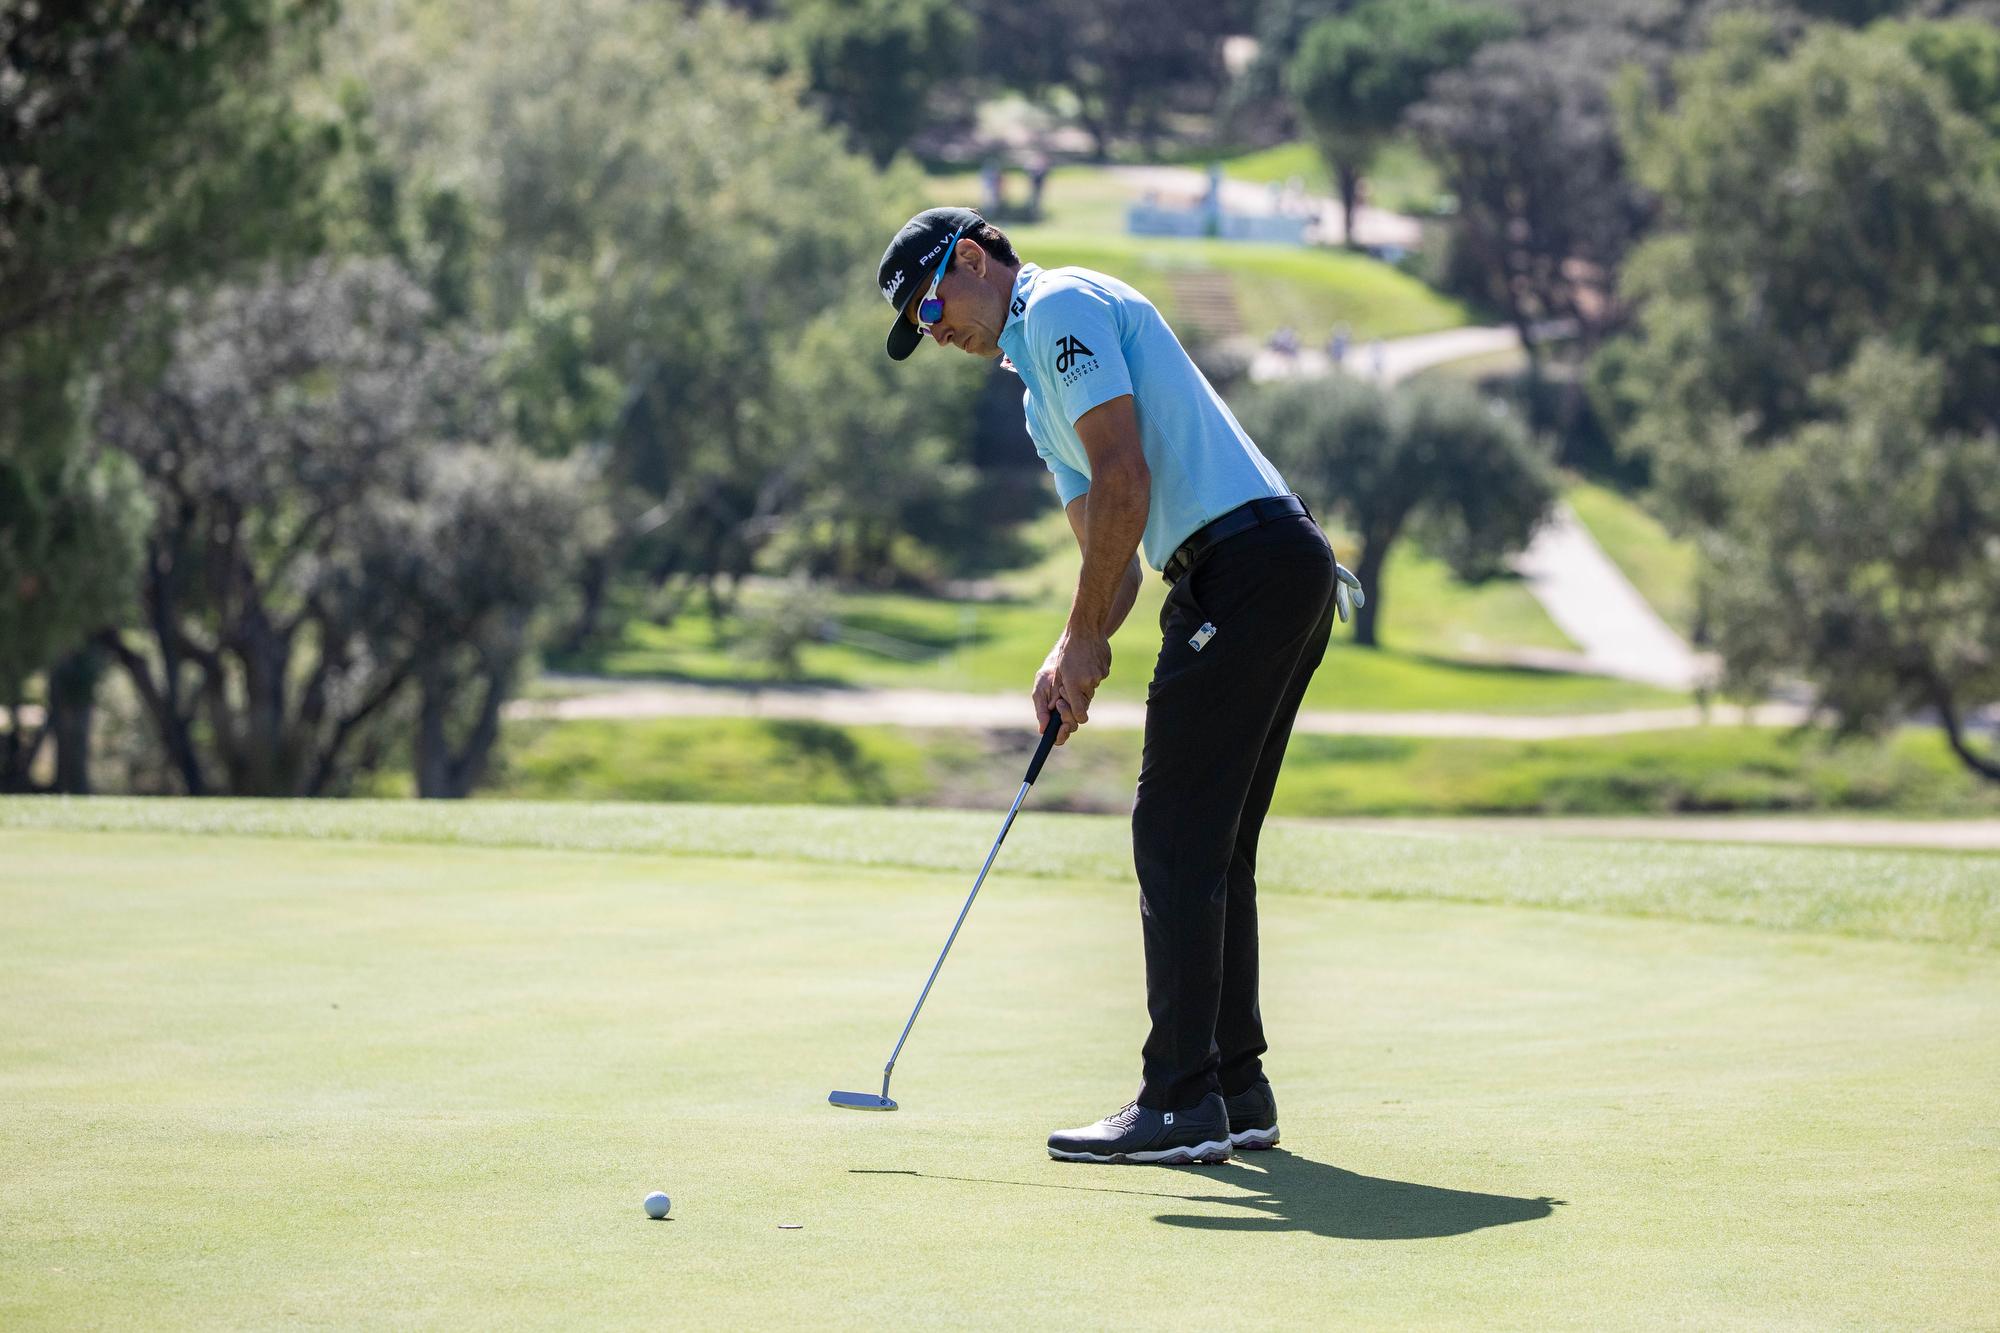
<point x="594" y="697"/>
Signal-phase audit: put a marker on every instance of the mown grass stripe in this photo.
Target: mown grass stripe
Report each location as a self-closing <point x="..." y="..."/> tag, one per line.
<point x="1950" y="898"/>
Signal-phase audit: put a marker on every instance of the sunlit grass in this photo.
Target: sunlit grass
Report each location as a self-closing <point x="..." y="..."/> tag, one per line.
<point x="281" y="1063"/>
<point x="1401" y="179"/>
<point x="1309" y="289"/>
<point x="1707" y="769"/>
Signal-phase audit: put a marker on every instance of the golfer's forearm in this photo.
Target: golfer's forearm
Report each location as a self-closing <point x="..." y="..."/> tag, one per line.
<point x="1113" y="524"/>
<point x="1128" y="593"/>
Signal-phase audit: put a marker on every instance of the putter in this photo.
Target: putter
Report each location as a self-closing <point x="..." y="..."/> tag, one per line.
<point x="869" y="1101"/>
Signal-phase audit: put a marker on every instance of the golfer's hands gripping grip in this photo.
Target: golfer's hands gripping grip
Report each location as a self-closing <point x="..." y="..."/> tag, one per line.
<point x="1049" y="734"/>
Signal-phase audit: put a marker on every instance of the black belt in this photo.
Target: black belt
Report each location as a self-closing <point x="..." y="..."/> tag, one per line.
<point x="1254" y="513"/>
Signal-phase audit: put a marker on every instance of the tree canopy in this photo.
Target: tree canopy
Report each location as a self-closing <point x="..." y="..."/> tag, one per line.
<point x="1528" y="144"/>
<point x="873" y="65"/>
<point x="1356" y="73"/>
<point x="321" y="542"/>
<point x="142" y="147"/>
<point x="1815" y="368"/>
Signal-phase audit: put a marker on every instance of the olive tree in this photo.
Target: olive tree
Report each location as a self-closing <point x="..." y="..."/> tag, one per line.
<point x="663" y="224"/>
<point x="141" y="146"/>
<point x="1385" y="462"/>
<point x="1356" y="73"/>
<point x="336" y="528"/>
<point x="1812" y="372"/>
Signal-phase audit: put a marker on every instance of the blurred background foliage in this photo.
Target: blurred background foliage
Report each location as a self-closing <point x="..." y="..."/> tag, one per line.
<point x="359" y="359"/>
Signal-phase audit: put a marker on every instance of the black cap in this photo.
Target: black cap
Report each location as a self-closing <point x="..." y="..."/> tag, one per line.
<point x="912" y="257"/>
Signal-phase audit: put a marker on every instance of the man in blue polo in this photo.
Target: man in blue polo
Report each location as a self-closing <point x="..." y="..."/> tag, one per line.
<point x="1148" y="458"/>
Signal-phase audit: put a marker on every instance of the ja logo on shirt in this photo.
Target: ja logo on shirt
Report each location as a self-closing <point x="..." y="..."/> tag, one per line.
<point x="1068" y="349"/>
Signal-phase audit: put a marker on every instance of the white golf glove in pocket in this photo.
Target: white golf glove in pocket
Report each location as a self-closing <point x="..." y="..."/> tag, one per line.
<point x="1347" y="594"/>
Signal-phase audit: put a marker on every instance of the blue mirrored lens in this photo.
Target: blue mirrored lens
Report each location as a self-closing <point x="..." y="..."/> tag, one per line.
<point x="930" y="310"/>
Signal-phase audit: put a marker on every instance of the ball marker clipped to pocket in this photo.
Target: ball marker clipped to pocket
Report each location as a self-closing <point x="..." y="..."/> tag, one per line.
<point x="1199" y="639"/>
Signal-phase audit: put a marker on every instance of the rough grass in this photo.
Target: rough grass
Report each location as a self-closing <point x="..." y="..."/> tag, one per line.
<point x="1708" y="769"/>
<point x="996" y="647"/>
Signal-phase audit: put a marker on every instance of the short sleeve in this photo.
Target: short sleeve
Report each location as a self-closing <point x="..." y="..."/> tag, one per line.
<point x="1069" y="482"/>
<point x="1074" y="340"/>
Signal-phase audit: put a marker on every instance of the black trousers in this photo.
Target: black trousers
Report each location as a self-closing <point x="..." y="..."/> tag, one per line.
<point x="1217" y="721"/>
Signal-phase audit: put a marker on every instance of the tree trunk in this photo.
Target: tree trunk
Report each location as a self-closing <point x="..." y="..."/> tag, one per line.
<point x="1954" y="732"/>
<point x="595" y="581"/>
<point x="18" y="749"/>
<point x="1349" y="177"/>
<point x="441" y="772"/>
<point x="1095" y="126"/>
<point x="1374" y="555"/>
<point x="433" y="751"/>
<point x="72" y="711"/>
<point x="175" y="728"/>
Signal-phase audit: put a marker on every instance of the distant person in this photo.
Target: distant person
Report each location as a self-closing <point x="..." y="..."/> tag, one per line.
<point x="1378" y="358"/>
<point x="990" y="184"/>
<point x="1336" y="346"/>
<point x="1147" y="458"/>
<point x="1038" y="177"/>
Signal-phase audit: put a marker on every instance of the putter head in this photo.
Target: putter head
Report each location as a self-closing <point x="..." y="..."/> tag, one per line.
<point x="861" y="1101"/>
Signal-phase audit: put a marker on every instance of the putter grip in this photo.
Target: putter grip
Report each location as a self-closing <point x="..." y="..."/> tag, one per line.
<point x="1049" y="734"/>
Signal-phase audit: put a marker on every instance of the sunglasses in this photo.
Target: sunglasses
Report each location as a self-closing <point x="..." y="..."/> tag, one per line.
<point x="931" y="309"/>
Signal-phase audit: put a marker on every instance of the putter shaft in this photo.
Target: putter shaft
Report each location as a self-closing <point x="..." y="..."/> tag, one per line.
<point x="1049" y="734"/>
<point x="890" y="1068"/>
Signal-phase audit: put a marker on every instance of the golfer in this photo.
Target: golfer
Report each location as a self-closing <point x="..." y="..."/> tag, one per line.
<point x="1148" y="459"/>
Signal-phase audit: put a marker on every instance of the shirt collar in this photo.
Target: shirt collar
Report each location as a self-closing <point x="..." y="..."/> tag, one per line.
<point x="1013" y="333"/>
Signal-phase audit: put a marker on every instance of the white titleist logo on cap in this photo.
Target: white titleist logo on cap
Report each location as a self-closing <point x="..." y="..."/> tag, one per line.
<point x="895" y="285"/>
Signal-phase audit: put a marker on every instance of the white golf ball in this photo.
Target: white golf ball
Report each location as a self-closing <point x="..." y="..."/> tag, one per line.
<point x="657" y="1204"/>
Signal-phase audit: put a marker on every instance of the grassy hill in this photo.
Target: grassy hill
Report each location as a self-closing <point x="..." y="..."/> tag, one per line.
<point x="1401" y="179"/>
<point x="1448" y="642"/>
<point x="1308" y="289"/>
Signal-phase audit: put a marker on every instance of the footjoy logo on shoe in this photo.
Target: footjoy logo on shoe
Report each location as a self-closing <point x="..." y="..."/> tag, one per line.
<point x="1170" y="1117"/>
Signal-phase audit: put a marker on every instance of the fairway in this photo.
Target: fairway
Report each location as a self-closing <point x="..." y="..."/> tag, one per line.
<point x="342" y="1065"/>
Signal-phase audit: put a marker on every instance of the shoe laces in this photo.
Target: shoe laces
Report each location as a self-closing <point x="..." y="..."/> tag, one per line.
<point x="1126" y="1118"/>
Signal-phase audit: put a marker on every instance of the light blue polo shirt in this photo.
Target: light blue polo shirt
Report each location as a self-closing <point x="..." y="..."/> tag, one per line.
<point x="1079" y="339"/>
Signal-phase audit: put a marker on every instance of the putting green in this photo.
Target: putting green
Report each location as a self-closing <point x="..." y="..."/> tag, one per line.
<point x="250" y="1080"/>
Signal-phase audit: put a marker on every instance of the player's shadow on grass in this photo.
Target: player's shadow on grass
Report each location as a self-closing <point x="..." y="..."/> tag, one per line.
<point x="1299" y="1194"/>
<point x="1293" y="1193"/>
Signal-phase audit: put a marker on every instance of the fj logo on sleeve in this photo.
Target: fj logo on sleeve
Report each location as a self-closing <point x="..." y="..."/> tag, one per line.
<point x="1068" y="349"/>
<point x="1199" y="639"/>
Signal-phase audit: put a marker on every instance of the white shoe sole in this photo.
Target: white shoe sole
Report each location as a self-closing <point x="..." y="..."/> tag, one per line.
<point x="1213" y="1153"/>
<point x="1255" y="1138"/>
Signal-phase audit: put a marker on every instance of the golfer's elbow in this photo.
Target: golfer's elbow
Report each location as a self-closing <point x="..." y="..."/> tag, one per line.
<point x="1123" y="481"/>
